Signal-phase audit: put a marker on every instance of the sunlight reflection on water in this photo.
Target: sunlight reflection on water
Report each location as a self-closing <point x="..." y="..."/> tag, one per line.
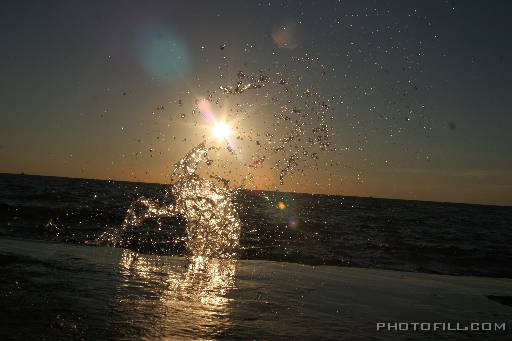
<point x="186" y="298"/>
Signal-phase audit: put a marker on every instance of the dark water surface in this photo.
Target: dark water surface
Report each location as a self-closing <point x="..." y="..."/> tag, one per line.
<point x="456" y="239"/>
<point x="57" y="291"/>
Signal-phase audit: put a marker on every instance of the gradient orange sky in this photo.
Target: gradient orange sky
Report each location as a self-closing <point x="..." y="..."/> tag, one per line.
<point x="419" y="91"/>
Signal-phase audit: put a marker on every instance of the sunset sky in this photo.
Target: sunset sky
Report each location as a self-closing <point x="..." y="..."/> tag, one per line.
<point x="419" y="92"/>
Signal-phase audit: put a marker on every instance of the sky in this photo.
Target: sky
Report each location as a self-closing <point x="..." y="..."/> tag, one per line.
<point x="393" y="99"/>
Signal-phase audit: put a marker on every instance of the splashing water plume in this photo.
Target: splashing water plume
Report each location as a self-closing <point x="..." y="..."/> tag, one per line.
<point x="288" y="133"/>
<point x="212" y="223"/>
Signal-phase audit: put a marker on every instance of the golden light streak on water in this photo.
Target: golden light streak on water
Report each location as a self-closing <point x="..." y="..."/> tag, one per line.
<point x="191" y="298"/>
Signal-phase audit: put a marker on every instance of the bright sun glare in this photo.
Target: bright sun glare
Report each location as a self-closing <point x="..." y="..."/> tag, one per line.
<point x="221" y="130"/>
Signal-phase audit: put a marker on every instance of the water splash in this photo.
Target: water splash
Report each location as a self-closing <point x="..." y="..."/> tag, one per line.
<point x="283" y="138"/>
<point x="299" y="129"/>
<point x="212" y="223"/>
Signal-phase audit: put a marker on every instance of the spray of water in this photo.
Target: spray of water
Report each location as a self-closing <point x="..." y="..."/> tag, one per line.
<point x="212" y="223"/>
<point x="290" y="142"/>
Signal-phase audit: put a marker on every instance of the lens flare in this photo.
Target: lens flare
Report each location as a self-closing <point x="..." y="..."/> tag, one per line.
<point x="293" y="223"/>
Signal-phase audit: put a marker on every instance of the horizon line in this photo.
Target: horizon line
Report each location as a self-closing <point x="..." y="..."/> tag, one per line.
<point x="265" y="190"/>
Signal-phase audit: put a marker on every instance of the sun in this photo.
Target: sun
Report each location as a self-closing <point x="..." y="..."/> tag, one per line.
<point x="221" y="130"/>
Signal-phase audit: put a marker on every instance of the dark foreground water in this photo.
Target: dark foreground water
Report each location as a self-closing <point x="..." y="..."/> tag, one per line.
<point x="309" y="229"/>
<point x="292" y="281"/>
